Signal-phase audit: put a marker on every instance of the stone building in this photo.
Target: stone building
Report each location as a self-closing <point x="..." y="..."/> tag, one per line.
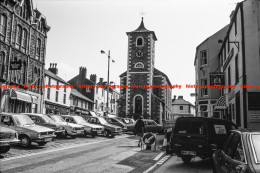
<point x="23" y="35"/>
<point x="153" y="103"/>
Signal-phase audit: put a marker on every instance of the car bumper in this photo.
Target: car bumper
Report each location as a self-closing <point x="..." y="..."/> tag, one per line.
<point x="75" y="133"/>
<point x="44" y="138"/>
<point x="4" y="143"/>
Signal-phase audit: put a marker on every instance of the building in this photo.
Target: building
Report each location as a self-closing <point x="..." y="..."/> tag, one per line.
<point x="56" y="100"/>
<point x="80" y="104"/>
<point x="239" y="59"/>
<point x="101" y="98"/>
<point x="181" y="106"/>
<point x="206" y="62"/>
<point x="81" y="83"/>
<point x="152" y="103"/>
<point x="23" y="35"/>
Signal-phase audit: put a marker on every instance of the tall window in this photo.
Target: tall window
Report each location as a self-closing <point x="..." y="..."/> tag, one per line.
<point x="38" y="48"/>
<point x="203" y="57"/>
<point x="139" y="41"/>
<point x="18" y="36"/>
<point x="23" y="73"/>
<point x="64" y="98"/>
<point x="236" y="66"/>
<point x="138" y="105"/>
<point x="181" y="107"/>
<point x="3" y="23"/>
<point x="204" y="91"/>
<point x="57" y="85"/>
<point x="48" y="93"/>
<point x="24" y="40"/>
<point x="229" y="79"/>
<point x="57" y="96"/>
<point x="2" y="64"/>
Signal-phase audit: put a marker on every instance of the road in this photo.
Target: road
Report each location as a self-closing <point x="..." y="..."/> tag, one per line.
<point x="115" y="155"/>
<point x="175" y="164"/>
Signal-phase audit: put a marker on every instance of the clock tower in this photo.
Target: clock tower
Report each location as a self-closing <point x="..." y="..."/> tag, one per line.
<point x="140" y="68"/>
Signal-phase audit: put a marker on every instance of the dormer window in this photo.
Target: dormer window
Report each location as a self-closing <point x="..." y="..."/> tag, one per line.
<point x="139" y="42"/>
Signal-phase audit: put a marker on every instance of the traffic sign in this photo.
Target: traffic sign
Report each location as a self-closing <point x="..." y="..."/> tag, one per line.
<point x="149" y="139"/>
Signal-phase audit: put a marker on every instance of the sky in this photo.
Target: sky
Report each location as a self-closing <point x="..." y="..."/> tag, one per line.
<point x="81" y="28"/>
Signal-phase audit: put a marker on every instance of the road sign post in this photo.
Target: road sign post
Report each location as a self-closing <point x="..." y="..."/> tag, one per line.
<point x="149" y="139"/>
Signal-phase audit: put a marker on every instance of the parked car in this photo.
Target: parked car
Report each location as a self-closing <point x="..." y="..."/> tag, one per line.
<point x="240" y="153"/>
<point x="27" y="130"/>
<point x="193" y="136"/>
<point x="115" y="121"/>
<point x="127" y="121"/>
<point x="89" y="129"/>
<point x="109" y="129"/>
<point x="71" y="129"/>
<point x="44" y="120"/>
<point x="7" y="137"/>
<point x="150" y="125"/>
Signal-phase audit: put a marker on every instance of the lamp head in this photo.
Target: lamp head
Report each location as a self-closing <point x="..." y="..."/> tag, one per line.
<point x="102" y="51"/>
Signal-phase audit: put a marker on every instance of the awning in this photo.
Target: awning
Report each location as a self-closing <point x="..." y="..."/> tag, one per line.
<point x="34" y="99"/>
<point x="21" y="96"/>
<point x="221" y="103"/>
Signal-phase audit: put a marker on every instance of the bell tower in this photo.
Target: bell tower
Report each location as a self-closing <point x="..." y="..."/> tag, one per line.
<point x="140" y="68"/>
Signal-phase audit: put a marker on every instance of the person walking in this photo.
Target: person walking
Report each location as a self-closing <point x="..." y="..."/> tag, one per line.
<point x="140" y="129"/>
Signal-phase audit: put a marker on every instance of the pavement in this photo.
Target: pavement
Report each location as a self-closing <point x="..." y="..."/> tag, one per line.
<point x="98" y="155"/>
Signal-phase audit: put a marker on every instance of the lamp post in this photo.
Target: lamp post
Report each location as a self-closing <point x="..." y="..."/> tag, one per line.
<point x="108" y="68"/>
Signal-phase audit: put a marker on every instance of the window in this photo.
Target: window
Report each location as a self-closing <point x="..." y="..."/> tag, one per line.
<point x="2" y="64"/>
<point x="229" y="79"/>
<point x="181" y="107"/>
<point x="18" y="36"/>
<point x="96" y="104"/>
<point x="23" y="73"/>
<point x="48" y="93"/>
<point x="65" y="89"/>
<point x="139" y="42"/>
<point x="255" y="144"/>
<point x="38" y="48"/>
<point x="139" y="65"/>
<point x="203" y="58"/>
<point x="57" y="85"/>
<point x="57" y="96"/>
<point x="204" y="91"/>
<point x="64" y="98"/>
<point x="3" y="23"/>
<point x="236" y="70"/>
<point x="24" y="40"/>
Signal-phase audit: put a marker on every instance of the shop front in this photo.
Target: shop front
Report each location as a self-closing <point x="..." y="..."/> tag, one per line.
<point x="56" y="109"/>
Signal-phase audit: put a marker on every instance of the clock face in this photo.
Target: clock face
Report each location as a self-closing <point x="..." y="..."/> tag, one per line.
<point x="139" y="54"/>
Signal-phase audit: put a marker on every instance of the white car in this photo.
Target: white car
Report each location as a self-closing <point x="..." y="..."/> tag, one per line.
<point x="71" y="129"/>
<point x="89" y="129"/>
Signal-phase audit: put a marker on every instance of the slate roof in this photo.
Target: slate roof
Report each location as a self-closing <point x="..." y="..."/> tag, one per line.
<point x="54" y="76"/>
<point x="181" y="102"/>
<point x="79" y="95"/>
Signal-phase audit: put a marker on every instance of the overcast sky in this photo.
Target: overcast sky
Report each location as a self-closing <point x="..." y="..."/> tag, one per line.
<point x="81" y="28"/>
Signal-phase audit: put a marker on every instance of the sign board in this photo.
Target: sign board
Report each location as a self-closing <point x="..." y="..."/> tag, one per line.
<point x="149" y="139"/>
<point x="15" y="65"/>
<point x="217" y="79"/>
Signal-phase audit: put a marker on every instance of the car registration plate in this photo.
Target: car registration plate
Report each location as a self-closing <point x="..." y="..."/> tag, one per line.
<point x="192" y="153"/>
<point x="4" y="143"/>
<point x="47" y="139"/>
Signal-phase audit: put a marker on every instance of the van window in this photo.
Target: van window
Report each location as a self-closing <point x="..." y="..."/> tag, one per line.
<point x="182" y="127"/>
<point x="197" y="128"/>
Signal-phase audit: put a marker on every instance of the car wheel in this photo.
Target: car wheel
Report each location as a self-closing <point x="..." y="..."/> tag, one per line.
<point x="106" y="133"/>
<point x="186" y="159"/>
<point x="4" y="149"/>
<point x="42" y="143"/>
<point x="25" y="141"/>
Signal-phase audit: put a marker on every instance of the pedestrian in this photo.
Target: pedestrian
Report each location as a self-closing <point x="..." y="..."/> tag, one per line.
<point x="140" y="129"/>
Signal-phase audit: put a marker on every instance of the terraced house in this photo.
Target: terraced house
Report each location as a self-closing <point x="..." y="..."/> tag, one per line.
<point x="23" y="35"/>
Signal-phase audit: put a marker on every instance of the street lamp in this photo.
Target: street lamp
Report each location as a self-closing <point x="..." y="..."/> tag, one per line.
<point x="108" y="57"/>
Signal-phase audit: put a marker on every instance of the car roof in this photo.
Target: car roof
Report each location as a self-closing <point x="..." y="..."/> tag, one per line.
<point x="33" y="114"/>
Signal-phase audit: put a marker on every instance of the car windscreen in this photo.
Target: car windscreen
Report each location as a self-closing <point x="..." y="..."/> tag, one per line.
<point x="256" y="146"/>
<point x="46" y="119"/>
<point x="102" y="120"/>
<point x="23" y="120"/>
<point x="57" y="119"/>
<point x="79" y="120"/>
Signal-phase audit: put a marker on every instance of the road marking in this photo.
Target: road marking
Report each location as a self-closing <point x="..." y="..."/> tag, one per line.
<point x="159" y="156"/>
<point x="59" y="149"/>
<point x="160" y="162"/>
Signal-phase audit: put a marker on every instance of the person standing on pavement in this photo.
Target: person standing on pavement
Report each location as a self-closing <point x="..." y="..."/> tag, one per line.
<point x="140" y="129"/>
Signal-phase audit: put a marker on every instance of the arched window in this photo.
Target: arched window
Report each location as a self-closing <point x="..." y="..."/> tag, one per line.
<point x="38" y="48"/>
<point x="139" y="41"/>
<point x="139" y="65"/>
<point x="18" y="36"/>
<point x="3" y="23"/>
<point x="2" y="64"/>
<point x="138" y="105"/>
<point x="24" y="40"/>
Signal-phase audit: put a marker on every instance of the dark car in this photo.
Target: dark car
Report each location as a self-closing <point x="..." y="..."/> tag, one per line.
<point x="150" y="125"/>
<point x="7" y="137"/>
<point x="240" y="153"/>
<point x="44" y="120"/>
<point x="193" y="136"/>
<point x="116" y="122"/>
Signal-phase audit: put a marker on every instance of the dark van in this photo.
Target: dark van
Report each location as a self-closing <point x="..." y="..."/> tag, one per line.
<point x="198" y="136"/>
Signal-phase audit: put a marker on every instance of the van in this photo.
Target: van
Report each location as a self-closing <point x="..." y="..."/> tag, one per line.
<point x="198" y="136"/>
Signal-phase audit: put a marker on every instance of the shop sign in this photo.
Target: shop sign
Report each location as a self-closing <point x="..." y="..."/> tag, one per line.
<point x="15" y="65"/>
<point x="254" y="117"/>
<point x="217" y="79"/>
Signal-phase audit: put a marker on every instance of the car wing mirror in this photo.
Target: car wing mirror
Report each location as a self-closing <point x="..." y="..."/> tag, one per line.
<point x="214" y="147"/>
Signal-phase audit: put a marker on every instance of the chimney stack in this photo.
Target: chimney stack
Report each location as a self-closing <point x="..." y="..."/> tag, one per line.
<point x="53" y="68"/>
<point x="180" y="97"/>
<point x="93" y="77"/>
<point x="82" y="72"/>
<point x="101" y="81"/>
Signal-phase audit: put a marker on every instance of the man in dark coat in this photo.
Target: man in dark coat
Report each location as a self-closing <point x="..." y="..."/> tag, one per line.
<point x="140" y="128"/>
